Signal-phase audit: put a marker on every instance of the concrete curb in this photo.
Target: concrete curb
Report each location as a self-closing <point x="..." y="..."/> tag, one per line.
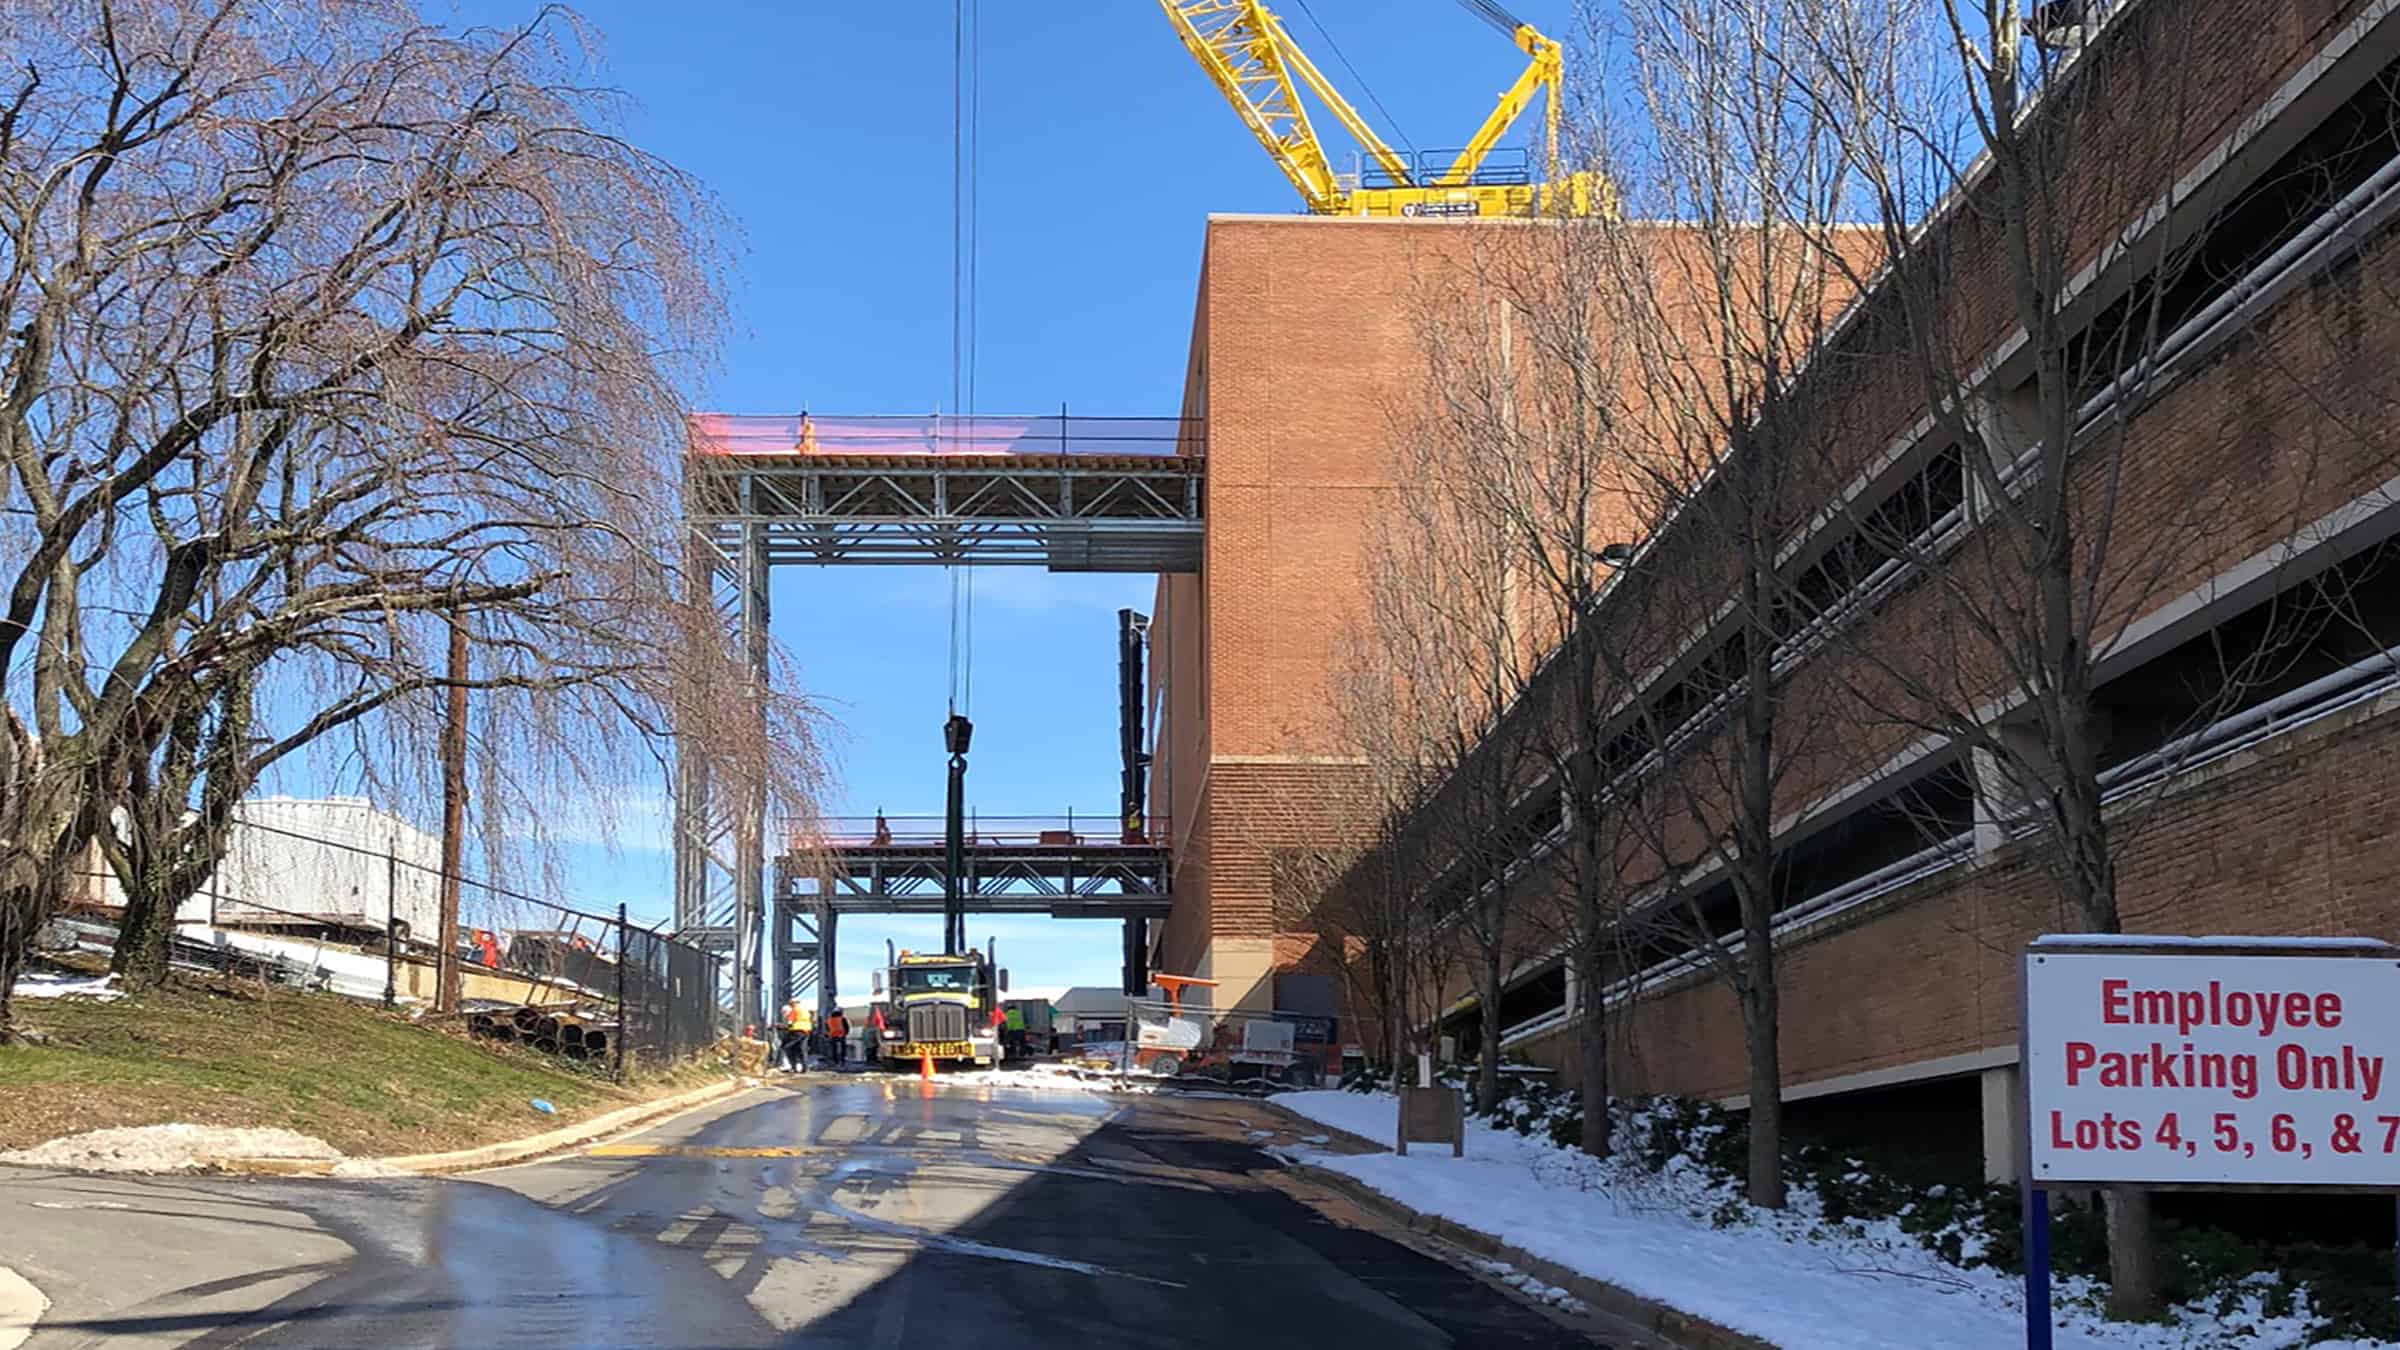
<point x="566" y="1137"/>
<point x="486" y="1155"/>
<point x="1650" y="1315"/>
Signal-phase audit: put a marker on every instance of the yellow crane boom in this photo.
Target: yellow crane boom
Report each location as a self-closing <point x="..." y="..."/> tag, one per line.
<point x="1245" y="51"/>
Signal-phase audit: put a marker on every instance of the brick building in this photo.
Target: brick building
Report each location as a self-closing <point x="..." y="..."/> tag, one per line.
<point x="2248" y="688"/>
<point x="2263" y="805"/>
<point x="1302" y="339"/>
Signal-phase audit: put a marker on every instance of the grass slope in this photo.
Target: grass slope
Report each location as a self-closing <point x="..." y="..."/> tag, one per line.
<point x="365" y="1081"/>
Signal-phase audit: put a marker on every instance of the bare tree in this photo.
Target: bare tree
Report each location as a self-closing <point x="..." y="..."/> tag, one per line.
<point x="1353" y="882"/>
<point x="328" y="329"/>
<point x="1729" y="179"/>
<point x="1524" y="367"/>
<point x="1443" y="612"/>
<point x="2041" y="265"/>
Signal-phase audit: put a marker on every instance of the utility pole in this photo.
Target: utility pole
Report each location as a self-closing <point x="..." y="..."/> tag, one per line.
<point x="391" y="922"/>
<point x="454" y="821"/>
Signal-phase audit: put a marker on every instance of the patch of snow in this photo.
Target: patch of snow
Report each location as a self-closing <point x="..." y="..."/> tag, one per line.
<point x="1316" y="1139"/>
<point x="1531" y="1287"/>
<point x="1802" y="1283"/>
<point x="2322" y="944"/>
<point x="56" y="984"/>
<point x="1040" y="1078"/>
<point x="1255" y="1135"/>
<point x="168" y="1148"/>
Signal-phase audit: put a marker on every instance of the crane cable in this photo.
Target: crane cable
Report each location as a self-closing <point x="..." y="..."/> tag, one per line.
<point x="1493" y="14"/>
<point x="974" y="288"/>
<point x="1361" y="80"/>
<point x="965" y="110"/>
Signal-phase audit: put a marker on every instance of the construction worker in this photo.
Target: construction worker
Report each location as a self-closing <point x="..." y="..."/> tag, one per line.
<point x="837" y="1028"/>
<point x="1012" y="1033"/>
<point x="795" y="1036"/>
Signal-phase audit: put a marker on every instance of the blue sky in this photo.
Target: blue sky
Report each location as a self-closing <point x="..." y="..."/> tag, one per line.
<point x="826" y="131"/>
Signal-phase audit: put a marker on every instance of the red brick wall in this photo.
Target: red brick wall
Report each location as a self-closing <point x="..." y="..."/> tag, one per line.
<point x="1303" y="340"/>
<point x="2302" y="840"/>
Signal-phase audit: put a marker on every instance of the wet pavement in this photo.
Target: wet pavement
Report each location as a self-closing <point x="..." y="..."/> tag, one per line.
<point x="859" y="1212"/>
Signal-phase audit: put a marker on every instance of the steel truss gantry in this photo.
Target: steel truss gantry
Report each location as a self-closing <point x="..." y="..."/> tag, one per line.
<point x="1080" y="880"/>
<point x="1070" y="494"/>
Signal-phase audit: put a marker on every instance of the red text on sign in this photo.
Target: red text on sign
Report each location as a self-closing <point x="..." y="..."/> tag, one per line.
<point x="2215" y="1006"/>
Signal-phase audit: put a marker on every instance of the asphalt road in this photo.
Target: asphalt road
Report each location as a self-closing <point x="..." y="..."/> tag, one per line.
<point x="863" y="1212"/>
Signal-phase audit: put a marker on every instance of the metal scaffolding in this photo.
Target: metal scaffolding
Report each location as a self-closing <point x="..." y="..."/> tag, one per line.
<point x="1067" y="493"/>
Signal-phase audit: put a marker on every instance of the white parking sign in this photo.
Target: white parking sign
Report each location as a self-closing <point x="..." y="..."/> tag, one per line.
<point x="2193" y="1065"/>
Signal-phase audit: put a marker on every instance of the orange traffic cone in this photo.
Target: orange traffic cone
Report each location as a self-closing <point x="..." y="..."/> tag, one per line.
<point x="925" y="1066"/>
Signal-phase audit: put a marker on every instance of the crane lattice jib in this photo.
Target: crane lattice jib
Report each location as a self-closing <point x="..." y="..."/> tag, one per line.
<point x="1235" y="42"/>
<point x="1541" y="75"/>
<point x="1259" y="70"/>
<point x="1252" y="61"/>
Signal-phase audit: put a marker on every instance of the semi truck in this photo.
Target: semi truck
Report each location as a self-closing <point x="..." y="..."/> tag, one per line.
<point x="943" y="1006"/>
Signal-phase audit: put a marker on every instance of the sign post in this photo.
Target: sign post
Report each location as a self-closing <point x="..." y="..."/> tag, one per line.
<point x="2228" y="1063"/>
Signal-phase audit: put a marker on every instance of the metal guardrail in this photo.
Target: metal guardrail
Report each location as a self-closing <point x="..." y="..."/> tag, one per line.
<point x="940" y="434"/>
<point x="1074" y="829"/>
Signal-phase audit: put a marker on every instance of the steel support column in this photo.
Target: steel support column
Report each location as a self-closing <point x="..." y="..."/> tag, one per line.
<point x="750" y="830"/>
<point x="829" y="996"/>
<point x="1137" y="957"/>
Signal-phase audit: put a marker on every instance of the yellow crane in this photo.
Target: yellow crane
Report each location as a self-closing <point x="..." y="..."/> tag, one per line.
<point x="1254" y="63"/>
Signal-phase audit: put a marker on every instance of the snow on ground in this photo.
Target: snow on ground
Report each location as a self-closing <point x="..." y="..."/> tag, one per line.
<point x="1530" y="1287"/>
<point x="54" y="984"/>
<point x="167" y="1148"/>
<point x="1791" y="1278"/>
<point x="1038" y="1078"/>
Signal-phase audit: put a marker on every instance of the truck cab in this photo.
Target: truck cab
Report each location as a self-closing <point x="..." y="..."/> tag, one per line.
<point x="944" y="1006"/>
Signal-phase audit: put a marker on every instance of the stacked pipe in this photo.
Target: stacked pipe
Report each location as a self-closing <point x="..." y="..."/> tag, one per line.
<point x="553" y="1031"/>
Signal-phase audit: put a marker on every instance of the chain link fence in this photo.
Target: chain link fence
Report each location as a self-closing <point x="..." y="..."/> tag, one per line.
<point x="359" y="916"/>
<point x="1169" y="1040"/>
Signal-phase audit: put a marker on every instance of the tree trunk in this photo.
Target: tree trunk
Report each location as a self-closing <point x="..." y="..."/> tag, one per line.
<point x="33" y="880"/>
<point x="1591" y="1048"/>
<point x="16" y="908"/>
<point x="148" y="924"/>
<point x="2133" y="1282"/>
<point x="1766" y="1095"/>
<point x="144" y="934"/>
<point x="1487" y="1056"/>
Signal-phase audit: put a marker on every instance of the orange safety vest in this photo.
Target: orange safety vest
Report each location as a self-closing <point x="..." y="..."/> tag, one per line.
<point x="838" y="1026"/>
<point x="795" y="1017"/>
